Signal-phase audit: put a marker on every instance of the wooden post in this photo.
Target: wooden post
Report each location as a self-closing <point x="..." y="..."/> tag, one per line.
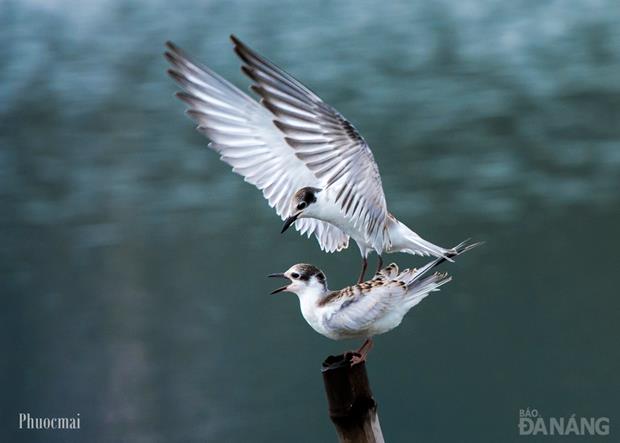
<point x="352" y="408"/>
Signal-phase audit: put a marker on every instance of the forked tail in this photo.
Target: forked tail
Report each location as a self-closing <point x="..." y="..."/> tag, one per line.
<point x="419" y="286"/>
<point x="403" y="239"/>
<point x="459" y="249"/>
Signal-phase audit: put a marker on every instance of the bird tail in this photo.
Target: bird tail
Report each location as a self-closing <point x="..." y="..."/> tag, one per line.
<point x="422" y="287"/>
<point x="463" y="247"/>
<point x="419" y="285"/>
<point x="405" y="240"/>
<point x="416" y="274"/>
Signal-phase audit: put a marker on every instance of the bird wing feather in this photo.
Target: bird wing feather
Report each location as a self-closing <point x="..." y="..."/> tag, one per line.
<point x="360" y="309"/>
<point x="364" y="304"/>
<point x="245" y="136"/>
<point x="325" y="142"/>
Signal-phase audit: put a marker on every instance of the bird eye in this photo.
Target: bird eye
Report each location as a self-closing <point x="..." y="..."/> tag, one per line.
<point x="320" y="276"/>
<point x="295" y="275"/>
<point x="302" y="205"/>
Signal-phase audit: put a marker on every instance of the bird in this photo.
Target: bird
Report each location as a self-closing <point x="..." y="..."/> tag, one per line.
<point x="311" y="164"/>
<point x="366" y="309"/>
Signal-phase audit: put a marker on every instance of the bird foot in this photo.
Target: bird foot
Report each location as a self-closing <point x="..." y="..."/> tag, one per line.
<point x="356" y="358"/>
<point x="359" y="356"/>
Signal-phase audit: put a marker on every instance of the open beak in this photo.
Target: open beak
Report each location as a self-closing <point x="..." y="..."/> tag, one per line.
<point x="289" y="221"/>
<point x="283" y="288"/>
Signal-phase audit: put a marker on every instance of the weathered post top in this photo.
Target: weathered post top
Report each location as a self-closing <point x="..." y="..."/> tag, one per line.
<point x="352" y="408"/>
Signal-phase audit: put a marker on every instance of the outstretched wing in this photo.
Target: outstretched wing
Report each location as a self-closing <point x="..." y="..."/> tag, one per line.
<point x="244" y="134"/>
<point x="325" y="141"/>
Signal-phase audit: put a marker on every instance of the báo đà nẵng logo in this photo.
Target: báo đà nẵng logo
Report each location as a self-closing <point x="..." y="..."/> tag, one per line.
<point x="531" y="422"/>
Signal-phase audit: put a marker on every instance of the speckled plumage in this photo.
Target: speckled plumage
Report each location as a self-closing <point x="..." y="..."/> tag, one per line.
<point x="365" y="309"/>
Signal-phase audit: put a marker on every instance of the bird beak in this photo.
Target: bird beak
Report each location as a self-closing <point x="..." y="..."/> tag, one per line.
<point x="289" y="221"/>
<point x="279" y="275"/>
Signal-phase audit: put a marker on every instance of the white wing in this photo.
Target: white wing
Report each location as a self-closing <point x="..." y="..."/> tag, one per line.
<point x="359" y="311"/>
<point x="325" y="141"/>
<point x="387" y="291"/>
<point x="244" y="135"/>
<point x="330" y="237"/>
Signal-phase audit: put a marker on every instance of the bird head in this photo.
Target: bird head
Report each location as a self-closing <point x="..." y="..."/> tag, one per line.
<point x="301" y="278"/>
<point x="302" y="205"/>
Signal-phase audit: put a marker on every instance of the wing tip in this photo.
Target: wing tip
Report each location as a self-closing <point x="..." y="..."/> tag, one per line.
<point x="170" y="57"/>
<point x="177" y="57"/>
<point x="187" y="98"/>
<point x="173" y="50"/>
<point x="175" y="75"/>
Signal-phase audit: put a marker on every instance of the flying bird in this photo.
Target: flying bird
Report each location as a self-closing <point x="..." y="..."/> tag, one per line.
<point x="310" y="163"/>
<point x="365" y="309"/>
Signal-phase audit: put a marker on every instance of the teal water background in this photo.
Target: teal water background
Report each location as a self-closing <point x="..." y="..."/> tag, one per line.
<point x="133" y="262"/>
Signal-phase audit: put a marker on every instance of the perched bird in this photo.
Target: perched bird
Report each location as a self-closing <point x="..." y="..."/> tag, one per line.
<point x="365" y="309"/>
<point x="311" y="164"/>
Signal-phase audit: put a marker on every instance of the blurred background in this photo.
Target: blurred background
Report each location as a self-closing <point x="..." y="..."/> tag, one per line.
<point x="133" y="262"/>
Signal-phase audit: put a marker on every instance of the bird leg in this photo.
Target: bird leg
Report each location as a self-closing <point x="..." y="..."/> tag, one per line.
<point x="360" y="355"/>
<point x="379" y="264"/>
<point x="364" y="266"/>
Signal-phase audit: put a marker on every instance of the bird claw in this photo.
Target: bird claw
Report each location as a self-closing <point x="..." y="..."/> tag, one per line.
<point x="355" y="358"/>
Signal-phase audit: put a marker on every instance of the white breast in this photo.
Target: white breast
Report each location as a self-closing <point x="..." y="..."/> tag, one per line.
<point x="329" y="211"/>
<point x="314" y="315"/>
